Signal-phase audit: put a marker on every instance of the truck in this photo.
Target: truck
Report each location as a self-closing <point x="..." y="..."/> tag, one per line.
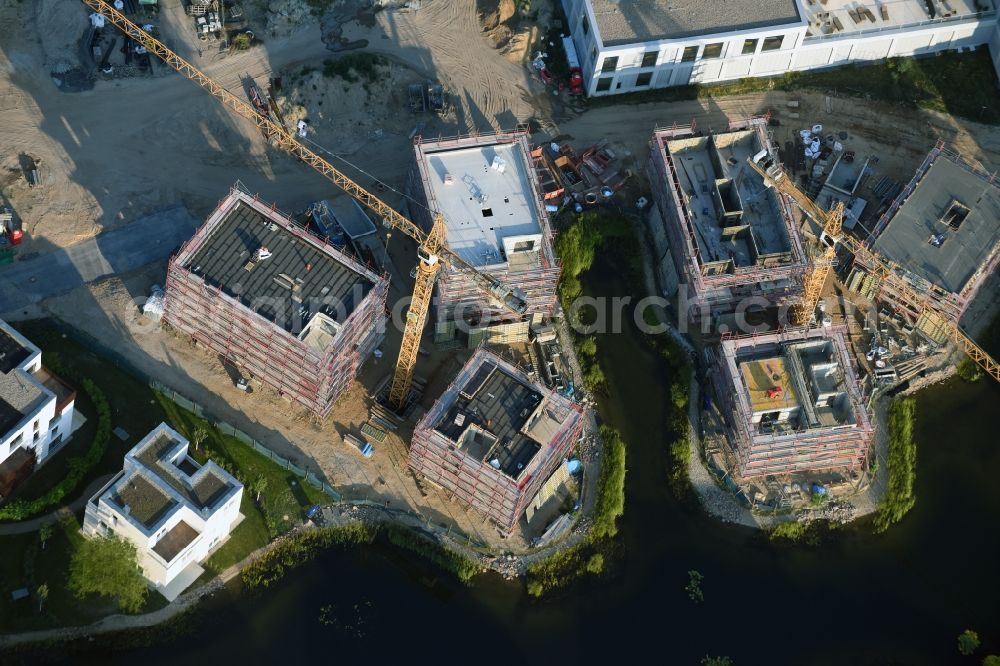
<point x="575" y="72"/>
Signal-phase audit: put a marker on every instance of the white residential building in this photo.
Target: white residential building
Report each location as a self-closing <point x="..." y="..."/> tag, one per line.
<point x="173" y="509"/>
<point x="36" y="409"/>
<point x="629" y="45"/>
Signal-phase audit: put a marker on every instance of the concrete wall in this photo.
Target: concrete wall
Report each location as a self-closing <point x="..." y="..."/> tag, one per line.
<point x="797" y="52"/>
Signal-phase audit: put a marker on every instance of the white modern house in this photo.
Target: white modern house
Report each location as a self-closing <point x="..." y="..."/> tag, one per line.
<point x="173" y="509"/>
<point x="629" y="45"/>
<point x="36" y="409"/>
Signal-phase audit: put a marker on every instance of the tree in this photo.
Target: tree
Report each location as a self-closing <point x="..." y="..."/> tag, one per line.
<point x="43" y="594"/>
<point x="991" y="660"/>
<point x="198" y="437"/>
<point x="108" y="566"/>
<point x="968" y="642"/>
<point x="44" y="534"/>
<point x="260" y="486"/>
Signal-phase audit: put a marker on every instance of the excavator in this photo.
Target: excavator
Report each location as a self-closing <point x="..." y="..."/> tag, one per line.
<point x="832" y="224"/>
<point x="431" y="249"/>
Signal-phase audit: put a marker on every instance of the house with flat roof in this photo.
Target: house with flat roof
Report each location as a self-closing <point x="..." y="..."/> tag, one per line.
<point x="792" y="403"/>
<point x="175" y="510"/>
<point x="494" y="437"/>
<point x="36" y="409"/>
<point x="486" y="188"/>
<point x="277" y="302"/>
<point x="730" y="236"/>
<point x="644" y="44"/>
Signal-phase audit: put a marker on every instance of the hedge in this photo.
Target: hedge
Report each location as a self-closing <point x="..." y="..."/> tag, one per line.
<point x="78" y="466"/>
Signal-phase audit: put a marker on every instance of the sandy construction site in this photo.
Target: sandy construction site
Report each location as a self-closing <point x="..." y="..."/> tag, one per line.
<point x="129" y="146"/>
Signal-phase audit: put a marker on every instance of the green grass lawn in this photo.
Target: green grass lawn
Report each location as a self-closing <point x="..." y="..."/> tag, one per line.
<point x="26" y="564"/>
<point x="133" y="407"/>
<point x="250" y="535"/>
<point x="285" y="497"/>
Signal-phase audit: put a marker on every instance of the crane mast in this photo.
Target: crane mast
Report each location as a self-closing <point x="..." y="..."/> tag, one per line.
<point x="431" y="248"/>
<point x="832" y="223"/>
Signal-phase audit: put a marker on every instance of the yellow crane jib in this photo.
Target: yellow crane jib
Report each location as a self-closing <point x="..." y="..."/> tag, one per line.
<point x="881" y="270"/>
<point x="431" y="248"/>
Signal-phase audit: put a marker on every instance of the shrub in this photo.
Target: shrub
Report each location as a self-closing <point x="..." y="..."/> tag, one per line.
<point x="301" y="548"/>
<point x="610" y="486"/>
<point x="902" y="456"/>
<point x="461" y="566"/>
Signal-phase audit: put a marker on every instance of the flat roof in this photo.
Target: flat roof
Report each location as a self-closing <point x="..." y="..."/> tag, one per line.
<point x="173" y="542"/>
<point x="481" y="204"/>
<point x="12" y="352"/>
<point x="714" y="174"/>
<point x="203" y="493"/>
<point x="897" y="13"/>
<point x="298" y="274"/>
<point x="906" y="239"/>
<point x="19" y="396"/>
<point x="763" y="375"/>
<point x="147" y="503"/>
<point x="630" y="21"/>
<point x="496" y="402"/>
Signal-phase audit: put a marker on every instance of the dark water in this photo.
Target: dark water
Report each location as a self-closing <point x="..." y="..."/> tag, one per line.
<point x="898" y="598"/>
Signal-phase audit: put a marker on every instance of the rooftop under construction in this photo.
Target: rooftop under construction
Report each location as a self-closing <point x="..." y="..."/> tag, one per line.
<point x="730" y="236"/>
<point x="276" y="302"/>
<point x="792" y="403"/>
<point x="942" y="229"/>
<point x="485" y="187"/>
<point x="494" y="437"/>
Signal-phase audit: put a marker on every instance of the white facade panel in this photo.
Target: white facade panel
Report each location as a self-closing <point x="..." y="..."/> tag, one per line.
<point x="681" y="60"/>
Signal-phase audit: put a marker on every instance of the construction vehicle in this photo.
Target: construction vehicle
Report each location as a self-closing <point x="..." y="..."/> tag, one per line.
<point x="885" y="272"/>
<point x="431" y="249"/>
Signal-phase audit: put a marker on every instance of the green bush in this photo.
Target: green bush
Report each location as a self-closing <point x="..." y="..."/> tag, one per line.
<point x="558" y="570"/>
<point x="902" y="458"/>
<point x="355" y="66"/>
<point x="78" y="466"/>
<point x="610" y="503"/>
<point x="969" y="370"/>
<point x="462" y="567"/>
<point x="301" y="548"/>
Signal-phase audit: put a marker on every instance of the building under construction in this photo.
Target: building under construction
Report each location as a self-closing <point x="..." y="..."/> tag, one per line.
<point x="941" y="236"/>
<point x="791" y="402"/>
<point x="494" y="437"/>
<point x="276" y="302"/>
<point x="487" y="189"/>
<point x="730" y="237"/>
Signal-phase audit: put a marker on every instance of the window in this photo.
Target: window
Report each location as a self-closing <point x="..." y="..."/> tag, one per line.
<point x="17" y="440"/>
<point x="749" y="46"/>
<point x="690" y="53"/>
<point x="35" y="425"/>
<point x="772" y="43"/>
<point x="593" y="54"/>
<point x="649" y="58"/>
<point x="604" y="85"/>
<point x="644" y="79"/>
<point x="35" y="437"/>
<point x="712" y="51"/>
<point x="610" y="64"/>
<point x="585" y="24"/>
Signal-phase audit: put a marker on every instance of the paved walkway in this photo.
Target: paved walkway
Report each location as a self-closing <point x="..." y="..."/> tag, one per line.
<point x="34" y="524"/>
<point x="146" y="240"/>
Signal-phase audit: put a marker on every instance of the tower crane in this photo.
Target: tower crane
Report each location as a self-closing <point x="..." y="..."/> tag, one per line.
<point x="431" y="248"/>
<point x="881" y="270"/>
